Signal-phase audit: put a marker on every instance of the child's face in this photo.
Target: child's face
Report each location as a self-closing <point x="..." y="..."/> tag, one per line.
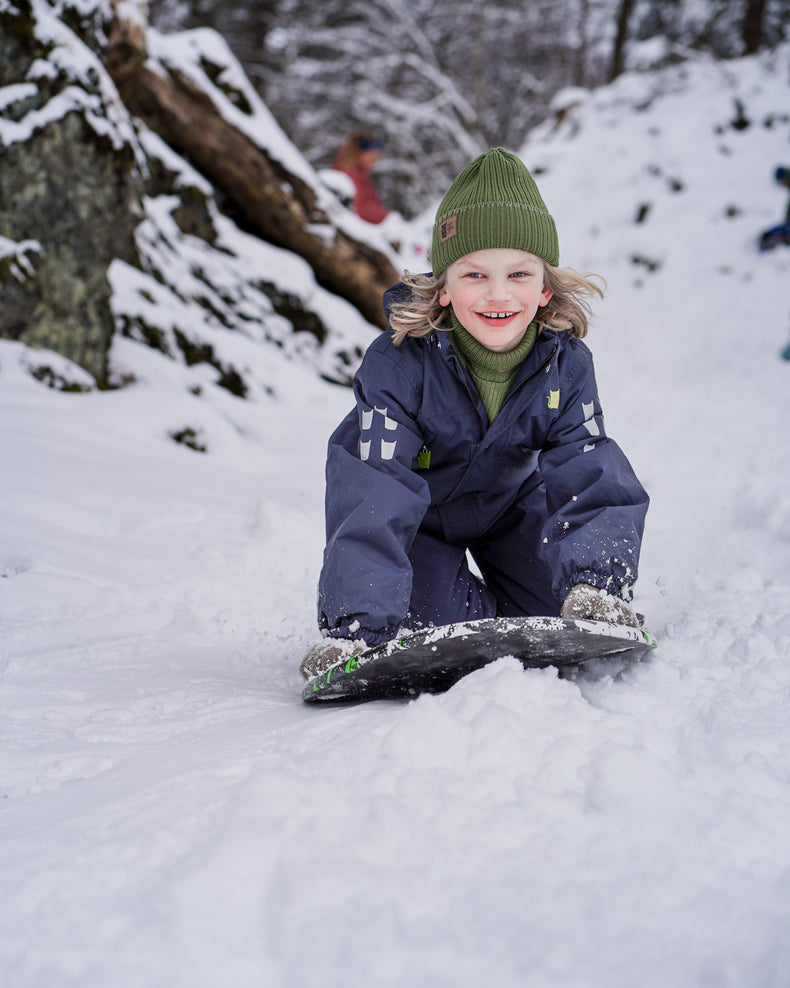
<point x="495" y="295"/>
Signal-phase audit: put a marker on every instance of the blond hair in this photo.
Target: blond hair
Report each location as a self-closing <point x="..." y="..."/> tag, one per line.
<point x="568" y="309"/>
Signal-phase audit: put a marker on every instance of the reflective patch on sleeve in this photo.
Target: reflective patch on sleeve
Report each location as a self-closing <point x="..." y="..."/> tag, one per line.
<point x="371" y="442"/>
<point x="389" y="423"/>
<point x="592" y="427"/>
<point x="590" y="424"/>
<point x="554" y="399"/>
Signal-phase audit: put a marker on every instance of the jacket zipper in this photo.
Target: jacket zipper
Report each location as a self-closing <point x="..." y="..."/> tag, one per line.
<point x="541" y="368"/>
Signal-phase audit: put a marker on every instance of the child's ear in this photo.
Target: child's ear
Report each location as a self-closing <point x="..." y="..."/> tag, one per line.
<point x="444" y="298"/>
<point x="545" y="296"/>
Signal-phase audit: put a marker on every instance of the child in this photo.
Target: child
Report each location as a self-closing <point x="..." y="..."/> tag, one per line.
<point x="477" y="428"/>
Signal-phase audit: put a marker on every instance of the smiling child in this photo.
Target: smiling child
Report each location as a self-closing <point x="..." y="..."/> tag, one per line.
<point x="478" y="433"/>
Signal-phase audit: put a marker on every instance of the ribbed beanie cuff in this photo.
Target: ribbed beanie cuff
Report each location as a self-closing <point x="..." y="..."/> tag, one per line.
<point x="493" y="203"/>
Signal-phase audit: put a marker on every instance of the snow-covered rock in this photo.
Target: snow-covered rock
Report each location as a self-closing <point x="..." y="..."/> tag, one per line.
<point x="118" y="219"/>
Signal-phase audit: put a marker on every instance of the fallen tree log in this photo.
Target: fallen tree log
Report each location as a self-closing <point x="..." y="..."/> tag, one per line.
<point x="268" y="200"/>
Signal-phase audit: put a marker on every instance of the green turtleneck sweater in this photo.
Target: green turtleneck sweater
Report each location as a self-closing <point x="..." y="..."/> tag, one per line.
<point x="492" y="372"/>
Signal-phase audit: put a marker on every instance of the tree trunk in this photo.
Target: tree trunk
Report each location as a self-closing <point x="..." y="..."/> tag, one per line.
<point x="580" y="64"/>
<point x="624" y="13"/>
<point x="270" y="201"/>
<point x="752" y="26"/>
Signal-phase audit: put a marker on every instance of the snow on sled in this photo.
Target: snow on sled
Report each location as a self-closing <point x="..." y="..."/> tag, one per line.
<point x="434" y="660"/>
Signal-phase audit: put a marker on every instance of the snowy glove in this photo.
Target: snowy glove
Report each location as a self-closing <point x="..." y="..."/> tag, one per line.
<point x="591" y="604"/>
<point x="328" y="653"/>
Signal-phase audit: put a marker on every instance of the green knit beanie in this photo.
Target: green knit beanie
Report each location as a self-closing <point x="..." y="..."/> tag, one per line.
<point x="494" y="202"/>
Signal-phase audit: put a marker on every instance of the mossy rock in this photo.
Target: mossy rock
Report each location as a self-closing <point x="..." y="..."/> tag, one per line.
<point x="69" y="190"/>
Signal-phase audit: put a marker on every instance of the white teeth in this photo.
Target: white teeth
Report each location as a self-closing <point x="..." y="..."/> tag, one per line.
<point x="497" y="315"/>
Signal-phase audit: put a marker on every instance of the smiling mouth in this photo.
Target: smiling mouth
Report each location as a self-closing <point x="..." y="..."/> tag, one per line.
<point x="497" y="315"/>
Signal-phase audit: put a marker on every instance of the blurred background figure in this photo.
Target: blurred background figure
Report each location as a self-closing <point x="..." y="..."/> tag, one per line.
<point x="357" y="159"/>
<point x="782" y="176"/>
<point x="779" y="234"/>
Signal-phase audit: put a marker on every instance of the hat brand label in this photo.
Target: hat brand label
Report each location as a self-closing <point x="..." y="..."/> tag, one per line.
<point x="448" y="229"/>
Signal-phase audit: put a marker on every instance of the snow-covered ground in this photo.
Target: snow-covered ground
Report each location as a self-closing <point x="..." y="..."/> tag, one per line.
<point x="172" y="815"/>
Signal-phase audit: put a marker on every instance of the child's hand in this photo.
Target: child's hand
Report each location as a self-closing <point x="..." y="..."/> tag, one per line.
<point x="591" y="604"/>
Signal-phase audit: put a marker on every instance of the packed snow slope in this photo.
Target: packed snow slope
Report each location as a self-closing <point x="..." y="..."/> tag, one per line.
<point x="172" y="815"/>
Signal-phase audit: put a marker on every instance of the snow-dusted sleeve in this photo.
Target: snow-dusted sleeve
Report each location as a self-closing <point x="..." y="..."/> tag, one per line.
<point x="375" y="502"/>
<point x="596" y="504"/>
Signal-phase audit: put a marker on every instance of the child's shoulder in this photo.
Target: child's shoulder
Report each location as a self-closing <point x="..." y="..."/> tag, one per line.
<point x="407" y="360"/>
<point x="576" y="346"/>
<point x="573" y="358"/>
<point x="567" y="344"/>
<point x="411" y="350"/>
<point x="400" y="369"/>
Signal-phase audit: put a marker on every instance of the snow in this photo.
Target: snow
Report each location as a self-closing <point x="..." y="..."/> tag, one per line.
<point x="15" y="253"/>
<point x="213" y="294"/>
<point x="187" y="53"/>
<point x="72" y="99"/>
<point x="93" y="94"/>
<point x="173" y="815"/>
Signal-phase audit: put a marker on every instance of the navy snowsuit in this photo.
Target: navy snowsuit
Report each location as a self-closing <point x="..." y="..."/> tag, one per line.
<point x="416" y="475"/>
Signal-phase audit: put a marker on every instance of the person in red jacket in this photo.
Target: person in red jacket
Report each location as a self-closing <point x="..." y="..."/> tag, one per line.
<point x="357" y="159"/>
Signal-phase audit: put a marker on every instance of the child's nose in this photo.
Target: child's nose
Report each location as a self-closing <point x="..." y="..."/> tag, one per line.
<point x="498" y="288"/>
